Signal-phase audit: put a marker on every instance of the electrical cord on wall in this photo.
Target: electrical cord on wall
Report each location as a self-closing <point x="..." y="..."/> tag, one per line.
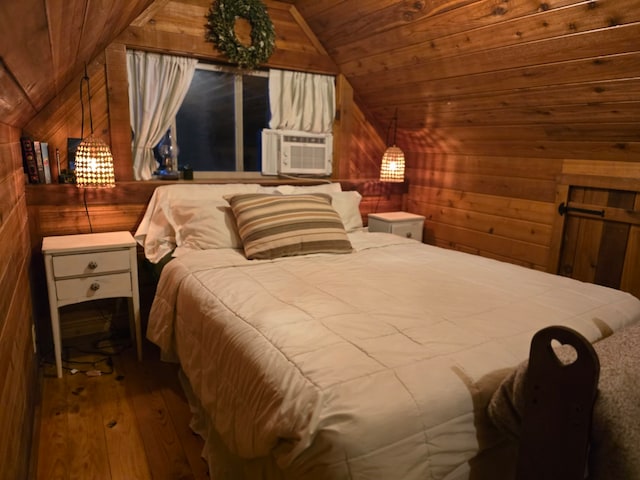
<point x="86" y="209"/>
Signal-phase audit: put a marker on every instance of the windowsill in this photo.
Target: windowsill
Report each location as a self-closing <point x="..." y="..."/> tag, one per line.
<point x="134" y="192"/>
<point x="230" y="175"/>
<point x="257" y="177"/>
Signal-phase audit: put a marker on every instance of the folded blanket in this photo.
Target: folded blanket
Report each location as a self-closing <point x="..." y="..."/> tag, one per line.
<point x="615" y="429"/>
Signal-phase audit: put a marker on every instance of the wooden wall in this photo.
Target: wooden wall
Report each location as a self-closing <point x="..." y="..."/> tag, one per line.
<point x="494" y="100"/>
<point x="505" y="114"/>
<point x="17" y="360"/>
<point x="499" y="206"/>
<point x="44" y="44"/>
<point x="177" y="27"/>
<point x="496" y="206"/>
<point x="491" y="98"/>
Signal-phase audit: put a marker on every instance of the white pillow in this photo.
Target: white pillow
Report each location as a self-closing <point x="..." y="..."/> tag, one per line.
<point x="213" y="225"/>
<point x="206" y="226"/>
<point x="321" y="188"/>
<point x="273" y="189"/>
<point x="172" y="207"/>
<point x="347" y="204"/>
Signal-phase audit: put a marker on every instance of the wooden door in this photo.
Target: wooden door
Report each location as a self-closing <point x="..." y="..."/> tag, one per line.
<point x="601" y="237"/>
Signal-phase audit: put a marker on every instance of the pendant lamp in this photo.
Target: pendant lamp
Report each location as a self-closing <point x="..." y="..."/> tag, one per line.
<point x="392" y="167"/>
<point x="94" y="162"/>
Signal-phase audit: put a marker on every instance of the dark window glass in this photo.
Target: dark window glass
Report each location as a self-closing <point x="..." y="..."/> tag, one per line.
<point x="255" y="101"/>
<point x="206" y="122"/>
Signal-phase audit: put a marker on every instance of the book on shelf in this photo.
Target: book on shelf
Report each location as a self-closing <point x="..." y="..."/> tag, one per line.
<point x="44" y="148"/>
<point x="39" y="163"/>
<point x="29" y="160"/>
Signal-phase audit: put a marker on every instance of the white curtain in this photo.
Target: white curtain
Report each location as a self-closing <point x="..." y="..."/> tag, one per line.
<point x="301" y="101"/>
<point x="157" y="87"/>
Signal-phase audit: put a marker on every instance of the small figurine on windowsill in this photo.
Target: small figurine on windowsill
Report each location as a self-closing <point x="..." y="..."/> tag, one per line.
<point x="187" y="172"/>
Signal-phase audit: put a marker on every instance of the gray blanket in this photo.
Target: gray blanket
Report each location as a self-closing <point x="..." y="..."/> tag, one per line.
<point x="615" y="433"/>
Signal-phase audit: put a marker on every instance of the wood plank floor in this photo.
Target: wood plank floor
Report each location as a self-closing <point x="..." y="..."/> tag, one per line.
<point x="132" y="423"/>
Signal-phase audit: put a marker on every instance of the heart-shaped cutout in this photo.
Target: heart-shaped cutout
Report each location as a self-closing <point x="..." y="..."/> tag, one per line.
<point x="565" y="354"/>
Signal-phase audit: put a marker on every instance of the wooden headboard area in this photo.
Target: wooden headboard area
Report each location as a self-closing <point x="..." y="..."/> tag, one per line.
<point x="67" y="210"/>
<point x="596" y="234"/>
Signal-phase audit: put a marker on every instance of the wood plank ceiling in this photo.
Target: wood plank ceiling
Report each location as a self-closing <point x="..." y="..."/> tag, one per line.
<point x="46" y="43"/>
<point x="485" y="63"/>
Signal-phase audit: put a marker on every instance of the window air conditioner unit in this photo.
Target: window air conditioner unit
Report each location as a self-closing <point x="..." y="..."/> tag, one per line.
<point x="289" y="152"/>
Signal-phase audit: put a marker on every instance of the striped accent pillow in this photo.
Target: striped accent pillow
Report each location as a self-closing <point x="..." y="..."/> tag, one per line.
<point x="273" y="226"/>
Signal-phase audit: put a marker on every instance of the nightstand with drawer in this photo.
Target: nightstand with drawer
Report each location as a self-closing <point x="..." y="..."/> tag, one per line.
<point x="92" y="266"/>
<point x="399" y="223"/>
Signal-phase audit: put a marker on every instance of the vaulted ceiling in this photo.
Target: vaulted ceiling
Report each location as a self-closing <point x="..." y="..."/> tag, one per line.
<point x="453" y="64"/>
<point x="445" y="65"/>
<point x="46" y="43"/>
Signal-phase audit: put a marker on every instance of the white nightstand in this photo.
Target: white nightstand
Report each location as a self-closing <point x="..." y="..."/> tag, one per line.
<point x="87" y="267"/>
<point x="399" y="223"/>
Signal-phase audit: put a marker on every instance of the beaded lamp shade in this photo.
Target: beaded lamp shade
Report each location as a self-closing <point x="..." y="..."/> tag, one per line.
<point x="392" y="168"/>
<point x="94" y="164"/>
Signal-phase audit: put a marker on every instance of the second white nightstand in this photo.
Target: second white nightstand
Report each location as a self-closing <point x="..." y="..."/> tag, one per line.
<point x="87" y="267"/>
<point x="399" y="223"/>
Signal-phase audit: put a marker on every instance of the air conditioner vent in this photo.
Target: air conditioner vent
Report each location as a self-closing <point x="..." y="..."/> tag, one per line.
<point x="288" y="152"/>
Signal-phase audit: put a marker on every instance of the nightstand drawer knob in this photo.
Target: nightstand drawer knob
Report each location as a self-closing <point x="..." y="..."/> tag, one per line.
<point x="92" y="265"/>
<point x="95" y="286"/>
<point x="408" y="234"/>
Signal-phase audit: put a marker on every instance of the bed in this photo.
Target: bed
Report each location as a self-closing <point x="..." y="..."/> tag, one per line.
<point x="344" y="354"/>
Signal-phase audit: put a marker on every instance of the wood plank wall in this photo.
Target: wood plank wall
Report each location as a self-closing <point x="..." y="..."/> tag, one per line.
<point x="43" y="44"/>
<point x="177" y="27"/>
<point x="491" y="98"/>
<point x="62" y="118"/>
<point x="494" y="101"/>
<point x="507" y="117"/>
<point x="17" y="360"/>
<point x="495" y="206"/>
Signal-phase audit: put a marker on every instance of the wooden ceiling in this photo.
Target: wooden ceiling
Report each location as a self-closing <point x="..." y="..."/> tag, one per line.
<point x="445" y="65"/>
<point x="46" y="43"/>
<point x="483" y="63"/>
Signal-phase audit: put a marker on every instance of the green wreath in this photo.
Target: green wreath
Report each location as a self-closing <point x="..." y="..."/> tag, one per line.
<point x="220" y="31"/>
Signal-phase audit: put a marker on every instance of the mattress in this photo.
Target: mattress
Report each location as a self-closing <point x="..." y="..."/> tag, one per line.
<point x="378" y="364"/>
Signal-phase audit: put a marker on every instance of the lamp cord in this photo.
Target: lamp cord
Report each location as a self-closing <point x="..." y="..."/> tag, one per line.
<point x="86" y="209"/>
<point x="394" y="122"/>
<point x="82" y="80"/>
<point x="395" y="125"/>
<point x="388" y="130"/>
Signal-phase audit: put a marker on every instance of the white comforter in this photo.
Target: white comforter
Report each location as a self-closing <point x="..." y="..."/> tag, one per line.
<point x="371" y="365"/>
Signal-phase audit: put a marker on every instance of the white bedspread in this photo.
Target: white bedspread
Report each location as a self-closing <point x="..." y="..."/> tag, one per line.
<point x="370" y="365"/>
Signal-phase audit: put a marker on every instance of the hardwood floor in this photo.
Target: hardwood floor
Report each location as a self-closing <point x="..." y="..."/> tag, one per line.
<point x="130" y="424"/>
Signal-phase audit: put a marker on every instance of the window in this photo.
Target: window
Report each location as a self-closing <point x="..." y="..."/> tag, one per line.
<point x="207" y="139"/>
